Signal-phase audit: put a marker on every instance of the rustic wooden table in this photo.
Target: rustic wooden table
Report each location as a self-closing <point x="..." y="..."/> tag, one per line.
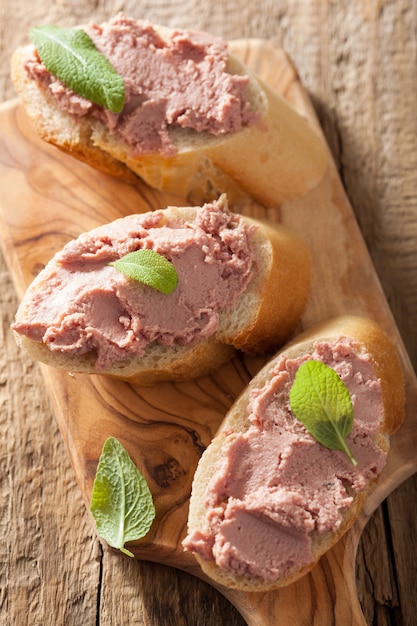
<point x="358" y="61"/>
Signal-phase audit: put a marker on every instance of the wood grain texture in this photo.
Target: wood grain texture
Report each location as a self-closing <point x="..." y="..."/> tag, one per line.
<point x="355" y="58"/>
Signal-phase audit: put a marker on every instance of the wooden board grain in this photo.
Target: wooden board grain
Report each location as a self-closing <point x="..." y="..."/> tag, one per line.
<point x="47" y="198"/>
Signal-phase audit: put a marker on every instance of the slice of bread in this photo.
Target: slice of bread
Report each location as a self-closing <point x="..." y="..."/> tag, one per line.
<point x="375" y="348"/>
<point x="260" y="320"/>
<point x="278" y="158"/>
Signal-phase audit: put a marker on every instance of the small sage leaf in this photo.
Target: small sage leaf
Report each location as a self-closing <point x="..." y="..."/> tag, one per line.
<point x="121" y="501"/>
<point x="150" y="268"/>
<point x="321" y="401"/>
<point x="70" y="55"/>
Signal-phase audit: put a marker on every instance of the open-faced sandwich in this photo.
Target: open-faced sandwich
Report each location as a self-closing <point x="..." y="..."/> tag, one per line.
<point x="296" y="456"/>
<point x="172" y="106"/>
<point x="166" y="295"/>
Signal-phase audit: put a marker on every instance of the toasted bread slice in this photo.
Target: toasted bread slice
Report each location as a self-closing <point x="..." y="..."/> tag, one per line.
<point x="261" y="318"/>
<point x="224" y="479"/>
<point x="274" y="160"/>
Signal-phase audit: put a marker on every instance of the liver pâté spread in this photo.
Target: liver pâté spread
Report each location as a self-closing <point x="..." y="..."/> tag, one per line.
<point x="276" y="485"/>
<point x="180" y="80"/>
<point x="86" y="305"/>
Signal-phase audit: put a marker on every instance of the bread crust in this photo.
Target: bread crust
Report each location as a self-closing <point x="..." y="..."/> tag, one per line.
<point x="273" y="161"/>
<point x="289" y="262"/>
<point x="258" y="321"/>
<point x="386" y="363"/>
<point x="180" y="364"/>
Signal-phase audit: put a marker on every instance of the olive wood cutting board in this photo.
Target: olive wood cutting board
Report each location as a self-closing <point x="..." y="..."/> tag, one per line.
<point x="48" y="198"/>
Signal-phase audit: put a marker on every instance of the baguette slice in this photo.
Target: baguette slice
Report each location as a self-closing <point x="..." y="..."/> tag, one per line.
<point x="371" y="341"/>
<point x="261" y="319"/>
<point x="275" y="160"/>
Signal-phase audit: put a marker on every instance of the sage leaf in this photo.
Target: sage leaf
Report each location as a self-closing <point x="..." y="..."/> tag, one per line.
<point x="321" y="401"/>
<point x="121" y="501"/>
<point x="150" y="268"/>
<point x="70" y="55"/>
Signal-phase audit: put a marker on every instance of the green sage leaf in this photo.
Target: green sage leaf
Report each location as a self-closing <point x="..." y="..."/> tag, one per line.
<point x="121" y="501"/>
<point x="70" y="55"/>
<point x="150" y="268"/>
<point x="321" y="401"/>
